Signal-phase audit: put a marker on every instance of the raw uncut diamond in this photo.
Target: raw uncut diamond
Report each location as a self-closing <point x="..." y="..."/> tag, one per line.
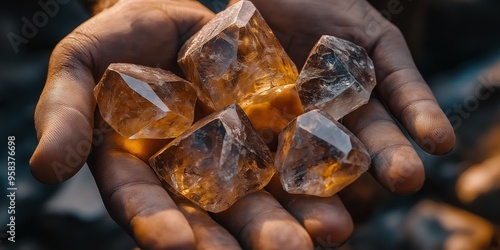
<point x="338" y="77"/>
<point x="318" y="156"/>
<point x="218" y="160"/>
<point x="143" y="102"/>
<point x="234" y="56"/>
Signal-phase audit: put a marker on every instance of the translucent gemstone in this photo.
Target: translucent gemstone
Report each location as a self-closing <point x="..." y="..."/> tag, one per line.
<point x="338" y="77"/>
<point x="143" y="102"/>
<point x="271" y="110"/>
<point x="234" y="56"/>
<point x="218" y="160"/>
<point x="318" y="156"/>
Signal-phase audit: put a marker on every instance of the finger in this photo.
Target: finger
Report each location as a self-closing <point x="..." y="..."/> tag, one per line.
<point x="407" y="96"/>
<point x="208" y="234"/>
<point x="63" y="119"/>
<point x="136" y="200"/>
<point x="260" y="222"/>
<point x="325" y="219"/>
<point x="395" y="164"/>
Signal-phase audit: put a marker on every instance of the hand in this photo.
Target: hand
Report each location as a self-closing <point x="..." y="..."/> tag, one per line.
<point x="150" y="32"/>
<point x="401" y="92"/>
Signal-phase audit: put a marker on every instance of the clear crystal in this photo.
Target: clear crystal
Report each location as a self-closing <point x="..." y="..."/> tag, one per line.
<point x="318" y="156"/>
<point x="338" y="77"/>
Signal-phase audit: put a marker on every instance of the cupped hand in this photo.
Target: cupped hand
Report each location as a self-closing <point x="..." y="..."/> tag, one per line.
<point x="401" y="96"/>
<point x="150" y="32"/>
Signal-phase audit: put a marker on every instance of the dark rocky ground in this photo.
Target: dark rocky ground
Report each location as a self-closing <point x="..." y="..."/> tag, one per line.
<point x="456" y="45"/>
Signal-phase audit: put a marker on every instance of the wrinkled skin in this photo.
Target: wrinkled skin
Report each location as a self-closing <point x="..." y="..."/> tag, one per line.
<point x="150" y="32"/>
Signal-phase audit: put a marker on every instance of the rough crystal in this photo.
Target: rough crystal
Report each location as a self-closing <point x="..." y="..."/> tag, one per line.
<point x="218" y="160"/>
<point x="235" y="55"/>
<point x="144" y="102"/>
<point x="318" y="156"/>
<point x="338" y="77"/>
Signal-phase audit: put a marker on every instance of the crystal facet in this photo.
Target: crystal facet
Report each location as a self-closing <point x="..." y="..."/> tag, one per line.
<point x="338" y="77"/>
<point x="318" y="156"/>
<point x="218" y="160"/>
<point x="143" y="102"/>
<point x="234" y="56"/>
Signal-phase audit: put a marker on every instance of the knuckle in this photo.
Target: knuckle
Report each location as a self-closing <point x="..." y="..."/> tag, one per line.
<point x="74" y="52"/>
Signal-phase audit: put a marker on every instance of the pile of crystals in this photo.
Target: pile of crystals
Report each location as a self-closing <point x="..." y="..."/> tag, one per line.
<point x="252" y="92"/>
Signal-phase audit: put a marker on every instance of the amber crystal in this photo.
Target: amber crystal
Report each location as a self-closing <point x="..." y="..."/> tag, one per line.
<point x="318" y="156"/>
<point x="338" y="77"/>
<point x="218" y="160"/>
<point x="271" y="110"/>
<point x="234" y="56"/>
<point x="144" y="102"/>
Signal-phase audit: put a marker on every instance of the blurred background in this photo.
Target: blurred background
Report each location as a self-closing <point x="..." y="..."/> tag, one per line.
<point x="456" y="44"/>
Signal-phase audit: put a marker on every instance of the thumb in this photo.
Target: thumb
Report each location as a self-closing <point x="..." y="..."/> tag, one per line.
<point x="64" y="115"/>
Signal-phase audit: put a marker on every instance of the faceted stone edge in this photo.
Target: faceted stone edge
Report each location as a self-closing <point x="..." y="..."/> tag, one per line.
<point x="201" y="123"/>
<point x="116" y="68"/>
<point x="310" y="106"/>
<point x="354" y="141"/>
